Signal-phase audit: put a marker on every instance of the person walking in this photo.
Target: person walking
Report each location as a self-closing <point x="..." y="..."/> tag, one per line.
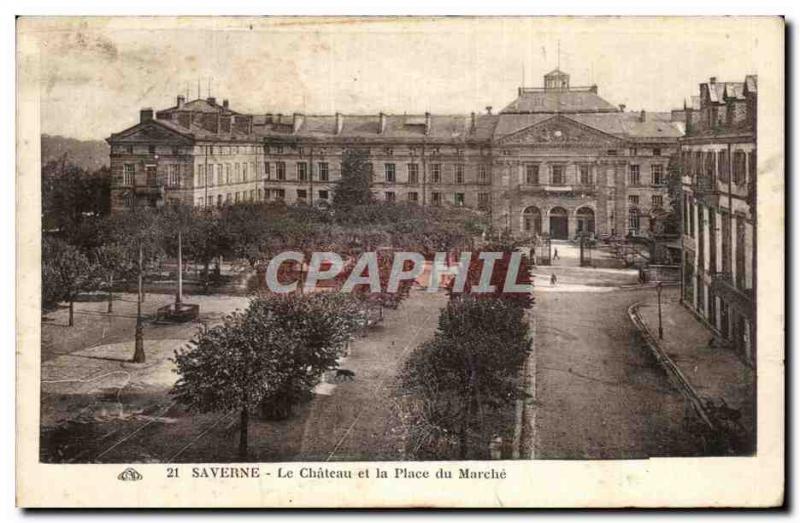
<point x="555" y="254"/>
<point x="553" y="279"/>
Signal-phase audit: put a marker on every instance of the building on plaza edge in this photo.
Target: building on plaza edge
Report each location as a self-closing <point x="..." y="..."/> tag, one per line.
<point x="558" y="160"/>
<point x="718" y="175"/>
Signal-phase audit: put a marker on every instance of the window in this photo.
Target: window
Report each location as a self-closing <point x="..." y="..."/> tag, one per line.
<point x="219" y="200"/>
<point x="657" y="200"/>
<point x="459" y="171"/>
<point x="557" y="174"/>
<point x="266" y="170"/>
<point x="323" y="171"/>
<point x="585" y="175"/>
<point x="739" y="167"/>
<point x="228" y="179"/>
<point x="129" y="150"/>
<point x="323" y="195"/>
<point x="436" y="173"/>
<point x="210" y="201"/>
<point x="436" y="197"/>
<point x="238" y="196"/>
<point x="173" y="177"/>
<point x="302" y="194"/>
<point x="413" y="173"/>
<point x="633" y="175"/>
<point x="388" y="169"/>
<point x="201" y="175"/>
<point x="219" y="174"/>
<point x="633" y="199"/>
<point x="128" y="171"/>
<point x="611" y="152"/>
<point x="722" y="166"/>
<point x="280" y="170"/>
<point x="151" y="149"/>
<point x="483" y="200"/>
<point x="280" y="194"/>
<point x="483" y="175"/>
<point x="458" y="199"/>
<point x="656" y="151"/>
<point x="633" y="151"/>
<point x="657" y="173"/>
<point x="302" y="171"/>
<point x="752" y="163"/>
<point x="633" y="219"/>
<point x="390" y="196"/>
<point x="244" y="172"/>
<point x="238" y="173"/>
<point x="278" y="149"/>
<point x="532" y="174"/>
<point x="413" y="197"/>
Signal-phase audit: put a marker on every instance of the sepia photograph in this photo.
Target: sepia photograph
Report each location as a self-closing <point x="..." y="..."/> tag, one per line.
<point x="305" y="241"/>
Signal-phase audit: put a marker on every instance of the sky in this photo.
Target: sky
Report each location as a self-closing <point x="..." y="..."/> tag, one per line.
<point x="94" y="74"/>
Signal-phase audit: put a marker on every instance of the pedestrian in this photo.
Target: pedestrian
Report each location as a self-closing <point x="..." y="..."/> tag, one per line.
<point x="555" y="254"/>
<point x="553" y="279"/>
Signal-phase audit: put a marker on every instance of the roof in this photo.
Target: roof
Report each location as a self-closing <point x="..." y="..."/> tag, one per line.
<point x="200" y="105"/>
<point x="628" y="126"/>
<point x="751" y="82"/>
<point x="558" y="101"/>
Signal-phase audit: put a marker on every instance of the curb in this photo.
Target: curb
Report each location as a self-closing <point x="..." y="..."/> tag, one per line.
<point x="673" y="372"/>
<point x="525" y="414"/>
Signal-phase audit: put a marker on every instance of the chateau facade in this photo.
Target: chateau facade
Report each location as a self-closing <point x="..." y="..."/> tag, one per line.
<point x="718" y="174"/>
<point x="558" y="160"/>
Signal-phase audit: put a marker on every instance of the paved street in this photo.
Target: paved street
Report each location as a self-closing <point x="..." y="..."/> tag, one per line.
<point x="599" y="394"/>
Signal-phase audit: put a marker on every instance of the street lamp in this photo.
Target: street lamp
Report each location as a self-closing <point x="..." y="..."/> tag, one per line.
<point x="660" y="328"/>
<point x="138" y="354"/>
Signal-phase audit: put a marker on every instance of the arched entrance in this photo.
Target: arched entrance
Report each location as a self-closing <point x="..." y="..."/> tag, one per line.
<point x="558" y="223"/>
<point x="584" y="220"/>
<point x="532" y="220"/>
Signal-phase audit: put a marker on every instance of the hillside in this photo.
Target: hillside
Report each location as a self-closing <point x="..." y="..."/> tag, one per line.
<point x="89" y="154"/>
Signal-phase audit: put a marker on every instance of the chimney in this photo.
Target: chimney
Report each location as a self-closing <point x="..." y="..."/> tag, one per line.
<point x="339" y="123"/>
<point x="225" y="104"/>
<point x="488" y="109"/>
<point x="427" y="123"/>
<point x="642" y="116"/>
<point x="145" y="115"/>
<point x="383" y="123"/>
<point x="181" y="100"/>
<point x="712" y="80"/>
<point x="472" y="122"/>
<point x="297" y="122"/>
<point x="593" y="89"/>
<point x="212" y="100"/>
<point x="622" y="108"/>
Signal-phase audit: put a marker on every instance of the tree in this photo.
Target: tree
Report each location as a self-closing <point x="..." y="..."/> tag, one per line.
<point x="311" y="332"/>
<point x="269" y="356"/>
<point x="228" y="367"/>
<point x="71" y="194"/>
<point x="66" y="272"/>
<point x="112" y="261"/>
<point x="499" y="272"/>
<point x="471" y="365"/>
<point x="353" y="188"/>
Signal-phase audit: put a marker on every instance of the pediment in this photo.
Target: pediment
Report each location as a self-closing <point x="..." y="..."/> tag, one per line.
<point x="150" y="132"/>
<point x="559" y="130"/>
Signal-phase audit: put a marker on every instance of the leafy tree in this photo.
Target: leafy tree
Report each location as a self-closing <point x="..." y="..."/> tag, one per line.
<point x="230" y="367"/>
<point x="471" y="365"/>
<point x="71" y="194"/>
<point x="311" y="332"/>
<point x="499" y="273"/>
<point x="353" y="188"/>
<point x="269" y="356"/>
<point x="112" y="260"/>
<point x="66" y="272"/>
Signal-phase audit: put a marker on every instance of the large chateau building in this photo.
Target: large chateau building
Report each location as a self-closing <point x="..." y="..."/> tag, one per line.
<point x="718" y="159"/>
<point x="558" y="160"/>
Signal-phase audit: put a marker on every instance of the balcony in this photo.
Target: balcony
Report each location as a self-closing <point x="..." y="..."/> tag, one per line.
<point x="723" y="285"/>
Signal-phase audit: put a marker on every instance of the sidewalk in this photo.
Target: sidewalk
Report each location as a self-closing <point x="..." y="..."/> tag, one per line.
<point x="713" y="373"/>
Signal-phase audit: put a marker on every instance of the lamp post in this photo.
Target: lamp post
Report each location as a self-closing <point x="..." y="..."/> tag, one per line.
<point x="660" y="328"/>
<point x="138" y="354"/>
